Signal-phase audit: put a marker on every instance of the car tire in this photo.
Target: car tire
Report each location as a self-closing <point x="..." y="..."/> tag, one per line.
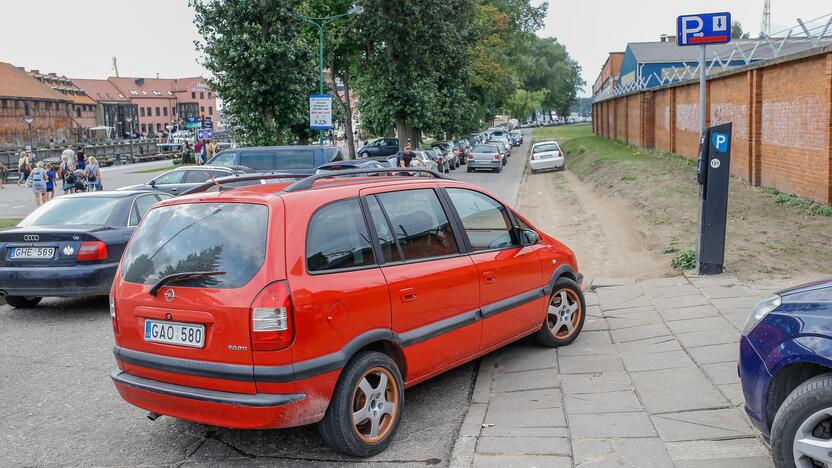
<point x="561" y="325"/>
<point x="499" y="170"/>
<point x="802" y="410"/>
<point x="362" y="374"/>
<point x="470" y="169"/>
<point x="22" y="302"/>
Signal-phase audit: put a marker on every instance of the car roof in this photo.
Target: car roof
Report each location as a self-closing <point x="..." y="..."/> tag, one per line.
<point x="107" y="194"/>
<point x="547" y="142"/>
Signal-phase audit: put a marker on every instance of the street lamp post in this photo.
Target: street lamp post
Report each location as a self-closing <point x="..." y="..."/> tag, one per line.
<point x="129" y="120"/>
<point x="321" y="23"/>
<point x="29" y="121"/>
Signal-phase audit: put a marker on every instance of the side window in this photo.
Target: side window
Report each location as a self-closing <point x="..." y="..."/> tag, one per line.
<point x="392" y="142"/>
<point x="485" y="220"/>
<point x="225" y="159"/>
<point x="140" y="208"/>
<point x="385" y="236"/>
<point x="198" y="176"/>
<point x="419" y="223"/>
<point x="172" y="177"/>
<point x="337" y="238"/>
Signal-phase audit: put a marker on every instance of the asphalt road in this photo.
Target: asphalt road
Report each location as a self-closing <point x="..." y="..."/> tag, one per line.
<point x="59" y="406"/>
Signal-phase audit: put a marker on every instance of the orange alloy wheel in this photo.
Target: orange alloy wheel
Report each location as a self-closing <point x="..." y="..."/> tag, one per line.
<point x="375" y="404"/>
<point x="564" y="313"/>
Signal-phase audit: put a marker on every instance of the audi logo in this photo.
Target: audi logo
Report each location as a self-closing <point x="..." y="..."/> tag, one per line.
<point x="31" y="237"/>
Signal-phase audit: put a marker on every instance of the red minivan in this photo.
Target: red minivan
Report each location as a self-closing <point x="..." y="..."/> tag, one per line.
<point x="319" y="301"/>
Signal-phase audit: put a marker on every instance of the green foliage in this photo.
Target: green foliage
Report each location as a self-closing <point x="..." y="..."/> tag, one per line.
<point x="810" y="207"/>
<point x="8" y="223"/>
<point x="263" y="66"/>
<point x="685" y="260"/>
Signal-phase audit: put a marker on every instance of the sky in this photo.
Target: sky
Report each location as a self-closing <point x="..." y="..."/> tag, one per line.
<point x="79" y="38"/>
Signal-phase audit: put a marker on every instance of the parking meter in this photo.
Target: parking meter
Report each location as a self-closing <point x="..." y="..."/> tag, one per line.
<point x="713" y="176"/>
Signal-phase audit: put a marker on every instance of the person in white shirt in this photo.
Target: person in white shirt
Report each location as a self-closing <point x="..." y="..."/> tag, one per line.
<point x="70" y="155"/>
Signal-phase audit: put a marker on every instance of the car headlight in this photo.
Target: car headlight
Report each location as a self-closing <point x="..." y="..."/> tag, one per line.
<point x="759" y="312"/>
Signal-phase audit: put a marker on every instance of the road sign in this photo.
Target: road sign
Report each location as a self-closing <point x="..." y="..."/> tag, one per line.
<point x="192" y="123"/>
<point x="204" y="134"/>
<point x="208" y="123"/>
<point x="320" y="112"/>
<point x="703" y="28"/>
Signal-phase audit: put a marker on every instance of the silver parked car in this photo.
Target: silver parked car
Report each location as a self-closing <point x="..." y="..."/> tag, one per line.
<point x="546" y="155"/>
<point x="486" y="156"/>
<point x="185" y="178"/>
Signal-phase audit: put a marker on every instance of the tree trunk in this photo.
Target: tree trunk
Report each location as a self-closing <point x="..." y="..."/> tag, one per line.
<point x="348" y="113"/>
<point x="406" y="134"/>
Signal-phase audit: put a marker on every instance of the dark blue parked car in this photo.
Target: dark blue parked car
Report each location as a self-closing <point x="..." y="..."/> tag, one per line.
<point x="290" y="159"/>
<point x="70" y="246"/>
<point x="786" y="371"/>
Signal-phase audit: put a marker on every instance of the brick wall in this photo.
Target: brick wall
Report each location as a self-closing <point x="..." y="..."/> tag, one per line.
<point x="782" y="116"/>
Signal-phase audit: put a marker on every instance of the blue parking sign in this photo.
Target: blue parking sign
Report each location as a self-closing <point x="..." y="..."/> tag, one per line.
<point x="703" y="28"/>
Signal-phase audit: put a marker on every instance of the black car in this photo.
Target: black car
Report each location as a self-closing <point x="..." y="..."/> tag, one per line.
<point x="70" y="246"/>
<point x="379" y="149"/>
<point x="302" y="159"/>
<point x="181" y="179"/>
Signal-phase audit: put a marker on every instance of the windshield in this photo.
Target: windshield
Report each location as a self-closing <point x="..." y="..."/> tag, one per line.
<point x="228" y="237"/>
<point x="545" y="148"/>
<point x="484" y="149"/>
<point x="69" y="211"/>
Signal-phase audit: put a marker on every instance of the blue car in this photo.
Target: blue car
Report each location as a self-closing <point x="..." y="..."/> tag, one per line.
<point x="289" y="159"/>
<point x="786" y="371"/>
<point x="70" y="246"/>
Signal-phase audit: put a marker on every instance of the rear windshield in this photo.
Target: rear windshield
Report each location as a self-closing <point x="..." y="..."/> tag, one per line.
<point x="484" y="149"/>
<point x="198" y="237"/>
<point x="545" y="148"/>
<point x="68" y="211"/>
<point x="279" y="160"/>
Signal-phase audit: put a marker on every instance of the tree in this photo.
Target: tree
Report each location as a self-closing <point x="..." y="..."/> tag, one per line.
<point x="737" y="32"/>
<point x="263" y="66"/>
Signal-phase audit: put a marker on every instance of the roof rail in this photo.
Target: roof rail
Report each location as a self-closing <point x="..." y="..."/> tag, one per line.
<point x="308" y="182"/>
<point x="245" y="177"/>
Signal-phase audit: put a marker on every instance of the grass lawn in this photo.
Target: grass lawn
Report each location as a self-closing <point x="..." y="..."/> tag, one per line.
<point x="8" y="223"/>
<point x="768" y="234"/>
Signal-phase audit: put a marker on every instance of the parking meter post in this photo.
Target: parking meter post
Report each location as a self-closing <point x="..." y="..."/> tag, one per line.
<point x="703" y="88"/>
<point x="710" y="245"/>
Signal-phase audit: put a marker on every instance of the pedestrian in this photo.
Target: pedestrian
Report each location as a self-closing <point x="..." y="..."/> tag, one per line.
<point x="23" y="168"/>
<point x="81" y="158"/>
<point x="4" y="174"/>
<point x="67" y="173"/>
<point x="186" y="153"/>
<point x="198" y="152"/>
<point x="37" y="181"/>
<point x="80" y="180"/>
<point x="70" y="155"/>
<point x="204" y="153"/>
<point x="50" y="182"/>
<point x="405" y="158"/>
<point x="212" y="148"/>
<point x="93" y="175"/>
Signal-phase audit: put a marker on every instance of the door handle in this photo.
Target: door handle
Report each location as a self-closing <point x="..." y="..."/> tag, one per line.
<point x="489" y="277"/>
<point x="407" y="294"/>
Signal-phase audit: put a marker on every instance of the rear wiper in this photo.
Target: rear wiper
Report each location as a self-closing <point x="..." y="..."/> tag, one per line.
<point x="185" y="275"/>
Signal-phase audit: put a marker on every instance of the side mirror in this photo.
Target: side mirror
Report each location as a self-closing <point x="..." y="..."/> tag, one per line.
<point x="152" y="183"/>
<point x="528" y="236"/>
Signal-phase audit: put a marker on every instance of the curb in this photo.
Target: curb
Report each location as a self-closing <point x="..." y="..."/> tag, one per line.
<point x="462" y="455"/>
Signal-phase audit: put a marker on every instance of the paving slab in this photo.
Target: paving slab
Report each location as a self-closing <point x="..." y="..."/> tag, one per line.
<point x="472" y="424"/>
<point x="525" y="400"/>
<point x="739" y="453"/>
<point x="514" y="381"/>
<point x="590" y="364"/>
<point x="666" y="281"/>
<point x="733" y="392"/>
<point x="635" y="453"/>
<point x="602" y="402"/>
<point x="709" y="337"/>
<point x="699" y="324"/>
<point x="596" y="382"/>
<point x="505" y="431"/>
<point x="686" y="313"/>
<point x="524" y="446"/>
<point x="607" y="281"/>
<point x="712" y="280"/>
<point x="627" y="335"/>
<point x="611" y="425"/>
<point x="721" y="292"/>
<point x="746" y="303"/>
<point x="737" y="317"/>
<point x="545" y="417"/>
<point x="664" y="303"/>
<point x="722" y="373"/>
<point x="728" y="352"/>
<point x="521" y="461"/>
<point x="657" y="361"/>
<point x="526" y="357"/>
<point x="725" y="423"/>
<point x="659" y="344"/>
<point x="595" y="323"/>
<point x="681" y="389"/>
<point x="670" y="291"/>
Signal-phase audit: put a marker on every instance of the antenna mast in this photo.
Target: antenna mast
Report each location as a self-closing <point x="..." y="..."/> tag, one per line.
<point x="765" y="27"/>
<point x="115" y="66"/>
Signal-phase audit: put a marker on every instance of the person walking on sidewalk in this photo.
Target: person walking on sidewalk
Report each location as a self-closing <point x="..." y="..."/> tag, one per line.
<point x="70" y="155"/>
<point x="23" y="168"/>
<point x="93" y="175"/>
<point x="66" y="172"/>
<point x="4" y="174"/>
<point x="81" y="158"/>
<point x="51" y="181"/>
<point x="37" y="181"/>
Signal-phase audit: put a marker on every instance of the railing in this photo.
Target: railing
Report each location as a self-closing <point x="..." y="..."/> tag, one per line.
<point x="805" y="35"/>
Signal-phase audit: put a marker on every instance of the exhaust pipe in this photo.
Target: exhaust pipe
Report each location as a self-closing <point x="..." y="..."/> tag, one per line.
<point x="3" y="295"/>
<point x="153" y="416"/>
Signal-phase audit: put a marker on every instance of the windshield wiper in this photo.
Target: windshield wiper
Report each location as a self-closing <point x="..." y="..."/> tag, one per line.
<point x="185" y="275"/>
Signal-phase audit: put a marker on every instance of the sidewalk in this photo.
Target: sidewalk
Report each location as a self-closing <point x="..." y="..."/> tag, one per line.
<point x="651" y="382"/>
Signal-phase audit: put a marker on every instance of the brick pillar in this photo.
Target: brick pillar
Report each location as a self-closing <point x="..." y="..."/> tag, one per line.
<point x="648" y="119"/>
<point x="626" y="119"/>
<point x="829" y="128"/>
<point x="756" y="130"/>
<point x="672" y="125"/>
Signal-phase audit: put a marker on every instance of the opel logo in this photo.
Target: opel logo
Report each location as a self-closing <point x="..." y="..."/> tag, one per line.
<point x="170" y="295"/>
<point x="31" y="237"/>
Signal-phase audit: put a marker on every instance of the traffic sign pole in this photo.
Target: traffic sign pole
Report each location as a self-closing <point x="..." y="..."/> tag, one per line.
<point x="703" y="89"/>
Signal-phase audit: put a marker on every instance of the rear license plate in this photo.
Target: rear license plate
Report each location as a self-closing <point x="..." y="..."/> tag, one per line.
<point x="181" y="334"/>
<point x="32" y="252"/>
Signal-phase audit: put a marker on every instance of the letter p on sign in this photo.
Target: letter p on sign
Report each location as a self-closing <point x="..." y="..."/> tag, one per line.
<point x="720" y="142"/>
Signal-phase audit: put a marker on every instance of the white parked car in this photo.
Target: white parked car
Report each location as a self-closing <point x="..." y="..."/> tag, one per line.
<point x="546" y="155"/>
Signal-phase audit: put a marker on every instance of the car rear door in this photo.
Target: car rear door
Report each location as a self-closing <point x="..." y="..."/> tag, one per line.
<point x="169" y="182"/>
<point x="509" y="274"/>
<point x="433" y="292"/>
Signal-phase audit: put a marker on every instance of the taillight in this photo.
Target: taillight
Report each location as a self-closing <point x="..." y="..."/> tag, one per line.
<point x="497" y="156"/>
<point x="113" y="316"/>
<point x="532" y="158"/>
<point x="90" y="251"/>
<point x="471" y="157"/>
<point x="271" y="318"/>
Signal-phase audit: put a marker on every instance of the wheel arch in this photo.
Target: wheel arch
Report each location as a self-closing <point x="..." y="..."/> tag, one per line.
<point x="785" y="380"/>
<point x="562" y="271"/>
<point x="391" y="349"/>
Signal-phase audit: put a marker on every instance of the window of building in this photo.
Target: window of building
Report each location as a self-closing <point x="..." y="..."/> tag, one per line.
<point x="149" y="111"/>
<point x="78" y="112"/>
<point x="35" y="105"/>
<point x="159" y="128"/>
<point x="338" y="238"/>
<point x="144" y="128"/>
<point x="202" y="109"/>
<point x="210" y="110"/>
<point x="4" y="103"/>
<point x="141" y="111"/>
<point x="419" y="223"/>
<point x="209" y="95"/>
<point x="165" y="111"/>
<point x="193" y="94"/>
<point x="484" y="219"/>
<point x="158" y="112"/>
<point x="202" y="95"/>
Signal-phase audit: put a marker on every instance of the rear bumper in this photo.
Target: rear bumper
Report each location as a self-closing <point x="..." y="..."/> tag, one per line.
<point x="551" y="163"/>
<point x="79" y="280"/>
<point x="216" y="408"/>
<point x="484" y="164"/>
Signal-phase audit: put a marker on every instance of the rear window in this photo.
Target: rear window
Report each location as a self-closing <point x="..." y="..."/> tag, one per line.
<point x="484" y="149"/>
<point x="196" y="238"/>
<point x="545" y="148"/>
<point x="279" y="160"/>
<point x="68" y="211"/>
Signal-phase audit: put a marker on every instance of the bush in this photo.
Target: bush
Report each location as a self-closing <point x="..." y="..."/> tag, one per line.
<point x="685" y="260"/>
